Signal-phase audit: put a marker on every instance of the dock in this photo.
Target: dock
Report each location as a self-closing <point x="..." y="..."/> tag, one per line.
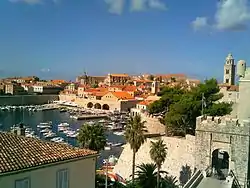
<point x="84" y="117"/>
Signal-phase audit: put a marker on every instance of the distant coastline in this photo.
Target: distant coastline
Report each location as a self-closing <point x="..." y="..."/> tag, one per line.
<point x="27" y="99"/>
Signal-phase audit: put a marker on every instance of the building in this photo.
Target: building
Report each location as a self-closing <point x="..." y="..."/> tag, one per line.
<point x="94" y="98"/>
<point x="117" y="79"/>
<point x="229" y="71"/>
<point x="230" y="93"/>
<point x="46" y="89"/>
<point x="32" y="163"/>
<point x="90" y="80"/>
<point x="228" y="136"/>
<point x="14" y="89"/>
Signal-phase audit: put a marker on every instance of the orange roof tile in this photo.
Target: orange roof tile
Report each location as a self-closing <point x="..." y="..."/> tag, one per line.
<point x="19" y="152"/>
<point x="130" y="88"/>
<point x="146" y="103"/>
<point x="122" y="95"/>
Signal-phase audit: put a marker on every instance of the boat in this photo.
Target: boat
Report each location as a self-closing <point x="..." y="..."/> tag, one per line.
<point x="46" y="130"/>
<point x="63" y="110"/>
<point x="44" y="125"/>
<point x="107" y="148"/>
<point x="119" y="133"/>
<point x="102" y="121"/>
<point x="117" y="144"/>
<point x="49" y="134"/>
<point x="57" y="139"/>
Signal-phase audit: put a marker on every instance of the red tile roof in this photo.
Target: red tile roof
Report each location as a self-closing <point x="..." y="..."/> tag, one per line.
<point x="122" y="95"/>
<point x="19" y="153"/>
<point x="146" y="103"/>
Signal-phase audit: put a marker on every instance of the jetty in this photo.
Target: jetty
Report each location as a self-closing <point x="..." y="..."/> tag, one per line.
<point x="83" y="117"/>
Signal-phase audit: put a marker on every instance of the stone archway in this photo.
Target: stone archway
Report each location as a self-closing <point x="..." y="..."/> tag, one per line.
<point x="90" y="105"/>
<point x="220" y="162"/>
<point x="105" y="107"/>
<point x="97" y="106"/>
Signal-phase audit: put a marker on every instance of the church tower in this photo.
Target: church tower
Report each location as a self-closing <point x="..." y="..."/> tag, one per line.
<point x="229" y="71"/>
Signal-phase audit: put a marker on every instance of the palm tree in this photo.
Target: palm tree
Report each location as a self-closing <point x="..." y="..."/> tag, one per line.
<point x="92" y="137"/>
<point x="169" y="182"/>
<point x="146" y="175"/>
<point x="158" y="153"/>
<point x="134" y="134"/>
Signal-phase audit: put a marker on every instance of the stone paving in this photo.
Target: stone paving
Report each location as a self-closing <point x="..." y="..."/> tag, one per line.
<point x="215" y="183"/>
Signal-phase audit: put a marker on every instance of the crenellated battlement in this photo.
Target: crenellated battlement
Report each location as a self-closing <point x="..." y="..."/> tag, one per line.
<point x="221" y="123"/>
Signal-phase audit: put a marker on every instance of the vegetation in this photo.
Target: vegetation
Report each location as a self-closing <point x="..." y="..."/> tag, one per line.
<point x="180" y="107"/>
<point x="134" y="134"/>
<point x="146" y="176"/>
<point x="158" y="153"/>
<point x="92" y="137"/>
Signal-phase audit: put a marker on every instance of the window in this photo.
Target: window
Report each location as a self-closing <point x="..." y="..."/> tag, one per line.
<point x="62" y="179"/>
<point x="22" y="183"/>
<point x="227" y="81"/>
<point x="227" y="71"/>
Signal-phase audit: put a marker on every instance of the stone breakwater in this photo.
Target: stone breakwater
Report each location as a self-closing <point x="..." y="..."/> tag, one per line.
<point x="180" y="153"/>
<point x="27" y="99"/>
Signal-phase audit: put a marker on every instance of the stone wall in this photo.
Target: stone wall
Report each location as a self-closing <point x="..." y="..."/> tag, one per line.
<point x="153" y="124"/>
<point x="27" y="99"/>
<point x="227" y="134"/>
<point x="180" y="153"/>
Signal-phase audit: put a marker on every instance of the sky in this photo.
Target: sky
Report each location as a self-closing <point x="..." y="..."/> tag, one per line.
<point x="60" y="39"/>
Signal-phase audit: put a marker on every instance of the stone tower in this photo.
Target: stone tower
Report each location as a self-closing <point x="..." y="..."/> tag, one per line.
<point x="229" y="70"/>
<point x="155" y="87"/>
<point x="227" y="137"/>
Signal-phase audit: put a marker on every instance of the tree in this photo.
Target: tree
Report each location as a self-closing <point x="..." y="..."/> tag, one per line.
<point x="169" y="182"/>
<point x="146" y="175"/>
<point x="181" y="107"/>
<point x="134" y="134"/>
<point x="158" y="153"/>
<point x="92" y="137"/>
<point x="168" y="97"/>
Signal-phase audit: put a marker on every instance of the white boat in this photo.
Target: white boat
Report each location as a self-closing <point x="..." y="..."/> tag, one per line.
<point x="102" y="121"/>
<point x="91" y="122"/>
<point x="49" y="134"/>
<point x="63" y="125"/>
<point x="44" y="125"/>
<point x="107" y="148"/>
<point x="119" y="133"/>
<point x="45" y="130"/>
<point x="117" y="144"/>
<point x="57" y="139"/>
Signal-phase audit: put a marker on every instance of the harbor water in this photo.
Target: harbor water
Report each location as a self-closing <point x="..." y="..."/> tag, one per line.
<point x="32" y="119"/>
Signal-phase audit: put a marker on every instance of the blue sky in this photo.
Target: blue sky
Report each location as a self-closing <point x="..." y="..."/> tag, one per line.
<point x="62" y="38"/>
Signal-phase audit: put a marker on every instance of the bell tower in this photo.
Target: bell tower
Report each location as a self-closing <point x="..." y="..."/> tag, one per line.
<point x="229" y="70"/>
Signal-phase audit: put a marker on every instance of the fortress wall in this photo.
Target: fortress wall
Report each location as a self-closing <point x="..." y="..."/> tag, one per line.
<point x="153" y="124"/>
<point x="27" y="99"/>
<point x="180" y="153"/>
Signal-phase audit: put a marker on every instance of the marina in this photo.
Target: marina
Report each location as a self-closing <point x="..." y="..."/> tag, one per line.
<point x="55" y="126"/>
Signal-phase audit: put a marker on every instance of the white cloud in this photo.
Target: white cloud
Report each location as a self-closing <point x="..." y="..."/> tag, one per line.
<point x="138" y="5"/>
<point x="200" y="23"/>
<point x="230" y="15"/>
<point x="115" y="6"/>
<point x="157" y="4"/>
<point x="45" y="70"/>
